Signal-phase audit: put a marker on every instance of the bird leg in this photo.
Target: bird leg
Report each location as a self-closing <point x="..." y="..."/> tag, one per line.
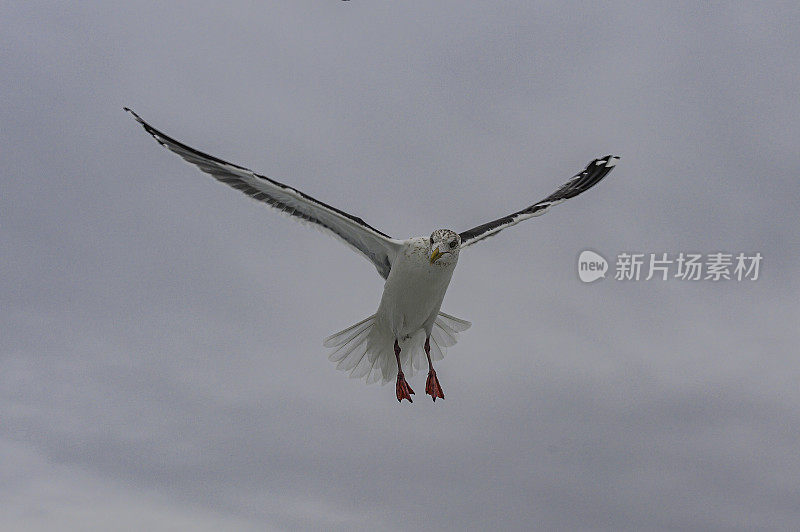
<point x="402" y="388"/>
<point x="432" y="386"/>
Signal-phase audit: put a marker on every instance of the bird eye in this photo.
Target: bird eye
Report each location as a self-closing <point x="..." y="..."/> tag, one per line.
<point x="452" y="244"/>
<point x="431" y="240"/>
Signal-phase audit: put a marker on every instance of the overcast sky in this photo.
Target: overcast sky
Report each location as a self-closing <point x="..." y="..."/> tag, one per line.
<point x="161" y="359"/>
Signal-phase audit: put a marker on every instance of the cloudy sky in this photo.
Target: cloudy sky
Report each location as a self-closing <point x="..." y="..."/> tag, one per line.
<point x="161" y="364"/>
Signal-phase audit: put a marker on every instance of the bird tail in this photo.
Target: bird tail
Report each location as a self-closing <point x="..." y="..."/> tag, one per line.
<point x="368" y="351"/>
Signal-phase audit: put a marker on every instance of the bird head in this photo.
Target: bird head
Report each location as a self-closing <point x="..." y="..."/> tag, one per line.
<point x="445" y="245"/>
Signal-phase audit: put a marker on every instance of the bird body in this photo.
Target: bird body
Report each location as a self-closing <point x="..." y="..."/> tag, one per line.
<point x="409" y="313"/>
<point x="409" y="321"/>
<point x="414" y="290"/>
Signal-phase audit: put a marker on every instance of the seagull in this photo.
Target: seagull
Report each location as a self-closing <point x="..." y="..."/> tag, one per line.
<point x="417" y="271"/>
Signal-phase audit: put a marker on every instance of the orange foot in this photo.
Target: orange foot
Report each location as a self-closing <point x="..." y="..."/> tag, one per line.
<point x="432" y="386"/>
<point x="404" y="391"/>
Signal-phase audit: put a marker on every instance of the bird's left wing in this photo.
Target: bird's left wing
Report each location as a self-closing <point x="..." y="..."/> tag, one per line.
<point x="378" y="247"/>
<point x="581" y="182"/>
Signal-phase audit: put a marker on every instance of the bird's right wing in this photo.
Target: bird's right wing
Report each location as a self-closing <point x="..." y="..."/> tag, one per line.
<point x="378" y="247"/>
<point x="581" y="182"/>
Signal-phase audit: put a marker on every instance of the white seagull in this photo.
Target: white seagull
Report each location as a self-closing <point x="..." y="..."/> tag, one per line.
<point x="417" y="270"/>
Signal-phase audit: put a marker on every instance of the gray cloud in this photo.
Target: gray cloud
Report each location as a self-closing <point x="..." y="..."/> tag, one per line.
<point x="161" y="334"/>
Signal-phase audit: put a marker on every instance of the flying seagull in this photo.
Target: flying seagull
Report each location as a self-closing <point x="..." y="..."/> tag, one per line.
<point x="417" y="270"/>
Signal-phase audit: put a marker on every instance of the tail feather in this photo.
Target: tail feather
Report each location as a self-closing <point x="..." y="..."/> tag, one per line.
<point x="457" y="324"/>
<point x="443" y="335"/>
<point x="348" y="346"/>
<point x="368" y="352"/>
<point x="363" y="367"/>
<point x="351" y="356"/>
<point x="345" y="336"/>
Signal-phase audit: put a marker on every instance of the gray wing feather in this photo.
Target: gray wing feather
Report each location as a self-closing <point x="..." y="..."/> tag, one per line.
<point x="594" y="172"/>
<point x="376" y="246"/>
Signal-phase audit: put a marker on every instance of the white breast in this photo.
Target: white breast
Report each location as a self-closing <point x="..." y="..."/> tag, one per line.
<point x="414" y="290"/>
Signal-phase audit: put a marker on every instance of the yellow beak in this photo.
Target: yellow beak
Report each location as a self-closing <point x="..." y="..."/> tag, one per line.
<point x="435" y="255"/>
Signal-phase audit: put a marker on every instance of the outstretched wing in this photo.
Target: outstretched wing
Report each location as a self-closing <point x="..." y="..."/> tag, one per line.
<point x="594" y="172"/>
<point x="378" y="247"/>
